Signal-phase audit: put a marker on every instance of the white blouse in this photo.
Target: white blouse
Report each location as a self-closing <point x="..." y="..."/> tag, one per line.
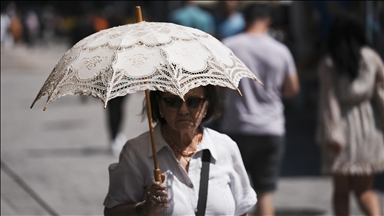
<point x="229" y="189"/>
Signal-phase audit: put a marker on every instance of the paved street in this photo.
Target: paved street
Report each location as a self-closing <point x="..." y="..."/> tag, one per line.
<point x="55" y="162"/>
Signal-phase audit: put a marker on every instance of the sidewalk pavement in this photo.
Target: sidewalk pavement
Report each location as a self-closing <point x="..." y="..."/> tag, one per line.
<point x="56" y="162"/>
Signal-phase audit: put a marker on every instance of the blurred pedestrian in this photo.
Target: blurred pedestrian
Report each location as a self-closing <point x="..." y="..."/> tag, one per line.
<point x="115" y="108"/>
<point x="351" y="115"/>
<point x="32" y="27"/>
<point x="89" y="23"/>
<point x="228" y="19"/>
<point x="256" y="121"/>
<point x="115" y="114"/>
<point x="191" y="15"/>
<point x="14" y="34"/>
<point x="5" y="26"/>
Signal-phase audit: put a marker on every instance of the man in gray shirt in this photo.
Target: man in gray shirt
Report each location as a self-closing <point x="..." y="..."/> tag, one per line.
<point x="256" y="120"/>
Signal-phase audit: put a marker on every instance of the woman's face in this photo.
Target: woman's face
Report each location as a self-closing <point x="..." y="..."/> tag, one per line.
<point x="184" y="116"/>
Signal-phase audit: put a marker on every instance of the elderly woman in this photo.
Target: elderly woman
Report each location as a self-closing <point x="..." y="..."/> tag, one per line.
<point x="180" y="141"/>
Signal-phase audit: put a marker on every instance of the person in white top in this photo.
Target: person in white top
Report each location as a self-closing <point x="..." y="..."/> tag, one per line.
<point x="5" y="27"/>
<point x="351" y="115"/>
<point x="180" y="143"/>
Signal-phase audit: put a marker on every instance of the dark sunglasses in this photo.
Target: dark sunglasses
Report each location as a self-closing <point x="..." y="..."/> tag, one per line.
<point x="176" y="102"/>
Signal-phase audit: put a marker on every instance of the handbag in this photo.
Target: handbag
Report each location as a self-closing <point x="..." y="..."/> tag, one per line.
<point x="204" y="176"/>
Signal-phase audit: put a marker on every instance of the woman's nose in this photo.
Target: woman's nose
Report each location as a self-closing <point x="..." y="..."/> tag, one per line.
<point x="184" y="108"/>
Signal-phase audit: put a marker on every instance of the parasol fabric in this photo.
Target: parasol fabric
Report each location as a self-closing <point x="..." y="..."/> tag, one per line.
<point x="143" y="56"/>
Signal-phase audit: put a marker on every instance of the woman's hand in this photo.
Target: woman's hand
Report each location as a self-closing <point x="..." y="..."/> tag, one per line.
<point x="157" y="198"/>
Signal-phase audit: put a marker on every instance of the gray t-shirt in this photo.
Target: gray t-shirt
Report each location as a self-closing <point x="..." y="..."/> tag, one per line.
<point x="260" y="110"/>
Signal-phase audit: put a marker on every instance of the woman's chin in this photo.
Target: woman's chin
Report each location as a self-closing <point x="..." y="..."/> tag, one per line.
<point x="184" y="125"/>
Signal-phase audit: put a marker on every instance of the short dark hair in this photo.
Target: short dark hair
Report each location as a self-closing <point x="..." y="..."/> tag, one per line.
<point x="256" y="11"/>
<point x="213" y="110"/>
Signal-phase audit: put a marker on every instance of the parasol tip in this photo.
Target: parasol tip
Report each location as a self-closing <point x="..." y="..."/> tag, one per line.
<point x="261" y="83"/>
<point x="139" y="17"/>
<point x="105" y="106"/>
<point x="33" y="104"/>
<point x="45" y="108"/>
<point x="238" y="91"/>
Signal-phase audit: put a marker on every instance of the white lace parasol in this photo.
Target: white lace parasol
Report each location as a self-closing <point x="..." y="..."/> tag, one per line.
<point x="143" y="56"/>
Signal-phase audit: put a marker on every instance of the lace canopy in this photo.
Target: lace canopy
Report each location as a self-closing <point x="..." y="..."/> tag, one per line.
<point x="146" y="55"/>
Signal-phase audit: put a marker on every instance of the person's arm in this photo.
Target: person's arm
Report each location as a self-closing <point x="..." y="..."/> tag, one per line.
<point x="332" y="135"/>
<point x="378" y="96"/>
<point x="291" y="86"/>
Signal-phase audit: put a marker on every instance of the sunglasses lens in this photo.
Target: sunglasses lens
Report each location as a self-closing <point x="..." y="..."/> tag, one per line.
<point x="194" y="102"/>
<point x="176" y="102"/>
<point x="173" y="102"/>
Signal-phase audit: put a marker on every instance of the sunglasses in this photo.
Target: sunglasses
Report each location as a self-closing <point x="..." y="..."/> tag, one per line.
<point x="176" y="102"/>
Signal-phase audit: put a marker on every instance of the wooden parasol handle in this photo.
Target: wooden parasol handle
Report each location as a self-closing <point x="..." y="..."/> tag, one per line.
<point x="157" y="171"/>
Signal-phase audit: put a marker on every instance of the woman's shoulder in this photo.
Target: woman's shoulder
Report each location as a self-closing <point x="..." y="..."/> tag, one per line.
<point x="140" y="138"/>
<point x="368" y="53"/>
<point x="138" y="143"/>
<point x="216" y="134"/>
<point x="224" y="147"/>
<point x="368" y="50"/>
<point x="219" y="137"/>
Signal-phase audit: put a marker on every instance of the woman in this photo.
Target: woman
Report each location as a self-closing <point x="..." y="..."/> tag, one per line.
<point x="180" y="139"/>
<point x="352" y="115"/>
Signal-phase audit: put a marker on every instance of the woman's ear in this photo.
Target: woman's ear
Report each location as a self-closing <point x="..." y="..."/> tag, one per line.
<point x="206" y="109"/>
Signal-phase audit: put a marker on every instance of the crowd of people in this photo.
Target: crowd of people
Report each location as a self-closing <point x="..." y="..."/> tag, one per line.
<point x="350" y="126"/>
<point x="29" y="26"/>
<point x="251" y="128"/>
